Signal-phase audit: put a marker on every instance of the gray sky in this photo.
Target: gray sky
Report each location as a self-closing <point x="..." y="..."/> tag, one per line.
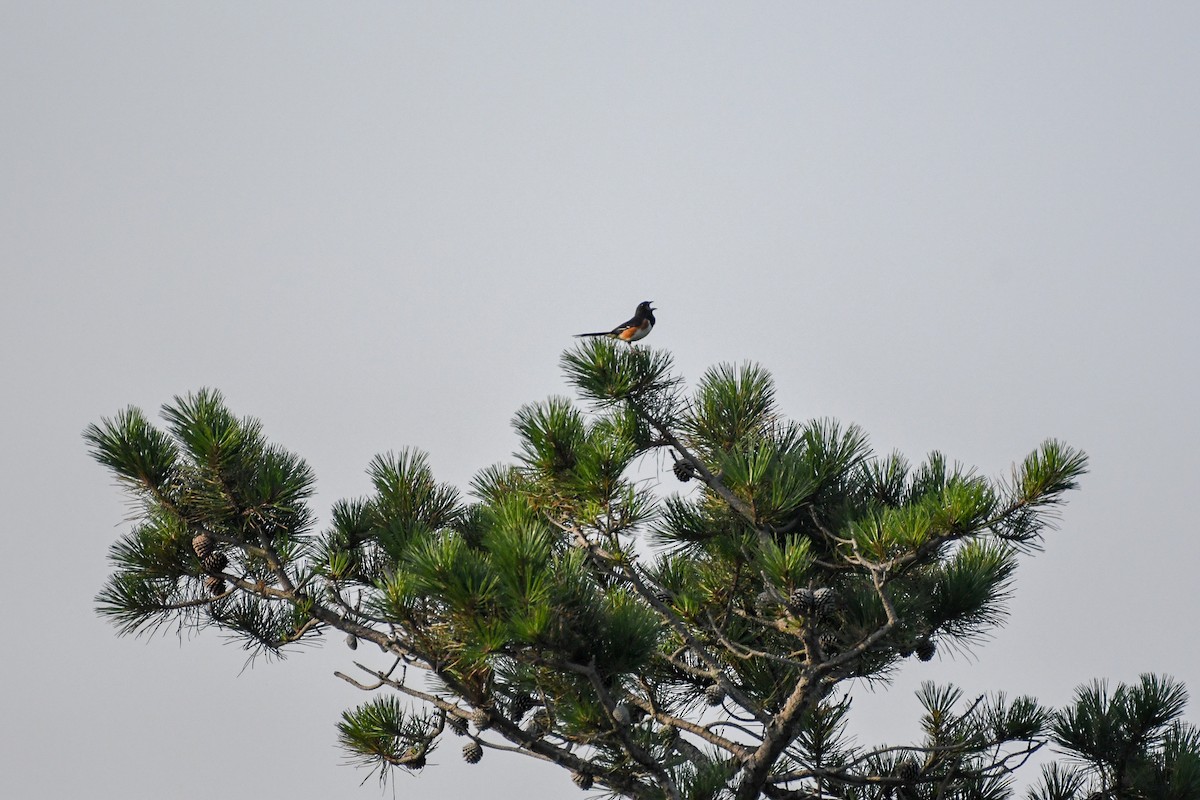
<point x="965" y="227"/>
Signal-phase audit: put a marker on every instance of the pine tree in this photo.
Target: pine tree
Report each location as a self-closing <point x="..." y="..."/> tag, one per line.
<point x="692" y="645"/>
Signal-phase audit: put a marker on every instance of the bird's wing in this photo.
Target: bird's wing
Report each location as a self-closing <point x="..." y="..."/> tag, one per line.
<point x="634" y="323"/>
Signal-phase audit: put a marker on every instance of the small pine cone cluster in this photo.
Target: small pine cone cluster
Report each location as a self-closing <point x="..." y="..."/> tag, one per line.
<point x="684" y="470"/>
<point x="482" y="719"/>
<point x="582" y="779"/>
<point x="205" y="548"/>
<point x="714" y="694"/>
<point x="815" y="603"/>
<point x="925" y="648"/>
<point x="472" y="752"/>
<point x="457" y="724"/>
<point x="828" y="641"/>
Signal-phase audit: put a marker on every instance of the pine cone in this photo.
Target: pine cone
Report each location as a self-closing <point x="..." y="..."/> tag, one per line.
<point x="714" y="694"/>
<point x="472" y="752"/>
<point x="202" y="545"/>
<point x="582" y="779"/>
<point x="925" y="648"/>
<point x="482" y="719"/>
<point x="824" y="602"/>
<point x="215" y="562"/>
<point x="684" y="470"/>
<point x="621" y="714"/>
<point x="214" y="585"/>
<point x="801" y="602"/>
<point x="351" y="641"/>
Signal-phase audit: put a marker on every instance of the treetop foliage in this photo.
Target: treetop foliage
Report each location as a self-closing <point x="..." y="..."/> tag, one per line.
<point x="699" y="644"/>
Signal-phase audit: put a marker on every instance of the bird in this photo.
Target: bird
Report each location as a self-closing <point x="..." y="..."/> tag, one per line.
<point x="634" y="329"/>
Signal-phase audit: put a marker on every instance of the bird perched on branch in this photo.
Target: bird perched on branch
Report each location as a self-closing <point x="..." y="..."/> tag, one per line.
<point x="634" y="329"/>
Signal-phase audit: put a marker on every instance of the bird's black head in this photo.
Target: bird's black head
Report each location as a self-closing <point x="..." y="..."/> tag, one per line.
<point x="644" y="308"/>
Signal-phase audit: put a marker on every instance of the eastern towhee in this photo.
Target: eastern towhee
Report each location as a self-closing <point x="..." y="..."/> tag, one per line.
<point x="634" y="329"/>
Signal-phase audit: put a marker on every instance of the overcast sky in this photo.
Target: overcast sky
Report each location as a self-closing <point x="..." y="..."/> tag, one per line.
<point x="965" y="227"/>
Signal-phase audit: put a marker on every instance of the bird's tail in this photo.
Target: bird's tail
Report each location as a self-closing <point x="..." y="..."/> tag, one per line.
<point x="601" y="333"/>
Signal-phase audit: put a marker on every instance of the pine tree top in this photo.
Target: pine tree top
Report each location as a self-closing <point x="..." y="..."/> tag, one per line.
<point x="686" y="644"/>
